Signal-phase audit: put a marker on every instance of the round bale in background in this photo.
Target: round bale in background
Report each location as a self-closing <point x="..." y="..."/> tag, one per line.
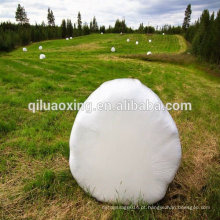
<point x="40" y="47"/>
<point x="121" y="154"/>
<point x="42" y="56"/>
<point x="113" y="49"/>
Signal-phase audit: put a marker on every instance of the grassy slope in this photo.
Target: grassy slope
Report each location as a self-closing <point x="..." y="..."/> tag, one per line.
<point x="35" y="181"/>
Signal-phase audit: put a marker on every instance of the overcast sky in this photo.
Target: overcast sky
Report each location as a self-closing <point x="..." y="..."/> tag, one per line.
<point x="153" y="12"/>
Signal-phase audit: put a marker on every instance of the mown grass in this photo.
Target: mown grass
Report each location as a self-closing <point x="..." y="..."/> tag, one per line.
<point x="35" y="181"/>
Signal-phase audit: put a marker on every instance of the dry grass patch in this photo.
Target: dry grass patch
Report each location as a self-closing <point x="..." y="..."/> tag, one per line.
<point x="62" y="209"/>
<point x="34" y="66"/>
<point x="204" y="154"/>
<point x="20" y="169"/>
<point x="112" y="58"/>
<point x="15" y="203"/>
<point x="82" y="47"/>
<point x="199" y="153"/>
<point x="182" y="43"/>
<point x="180" y="58"/>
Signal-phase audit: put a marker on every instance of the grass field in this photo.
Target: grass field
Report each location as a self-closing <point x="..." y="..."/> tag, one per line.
<point x="35" y="180"/>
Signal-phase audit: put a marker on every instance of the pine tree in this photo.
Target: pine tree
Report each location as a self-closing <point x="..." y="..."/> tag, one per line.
<point x="50" y="18"/>
<point x="120" y="26"/>
<point x="79" y="22"/>
<point x="187" y="17"/>
<point x="21" y="15"/>
<point x="85" y="29"/>
<point x="141" y="28"/>
<point x="204" y="35"/>
<point x="95" y="25"/>
<point x="216" y="41"/>
<point x="63" y="28"/>
<point x="201" y="41"/>
<point x="123" y="26"/>
<point x="69" y="28"/>
<point x="102" y="29"/>
<point x="74" y="30"/>
<point x="91" y="26"/>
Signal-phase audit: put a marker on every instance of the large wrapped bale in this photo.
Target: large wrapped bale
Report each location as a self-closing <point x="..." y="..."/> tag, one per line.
<point x="124" y="155"/>
<point x="24" y="49"/>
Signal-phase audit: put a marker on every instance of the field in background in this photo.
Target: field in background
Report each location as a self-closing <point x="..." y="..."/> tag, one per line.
<point x="35" y="181"/>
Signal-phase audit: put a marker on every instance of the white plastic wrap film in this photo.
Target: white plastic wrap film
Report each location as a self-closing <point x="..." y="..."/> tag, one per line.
<point x="124" y="156"/>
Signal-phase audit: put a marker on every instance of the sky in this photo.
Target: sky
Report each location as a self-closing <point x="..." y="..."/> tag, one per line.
<point x="150" y="12"/>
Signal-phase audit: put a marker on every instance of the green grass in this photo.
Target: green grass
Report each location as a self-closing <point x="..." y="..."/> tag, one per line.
<point x="35" y="181"/>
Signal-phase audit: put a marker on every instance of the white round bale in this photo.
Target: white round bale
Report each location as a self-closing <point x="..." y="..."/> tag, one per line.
<point x="128" y="40"/>
<point x="113" y="49"/>
<point x="149" y="53"/>
<point x="149" y="41"/>
<point x="101" y="32"/>
<point x="124" y="156"/>
<point x="163" y="33"/>
<point x="67" y="38"/>
<point x="42" y="56"/>
<point x="137" y="42"/>
<point x="40" y="47"/>
<point x="71" y="38"/>
<point x="24" y="49"/>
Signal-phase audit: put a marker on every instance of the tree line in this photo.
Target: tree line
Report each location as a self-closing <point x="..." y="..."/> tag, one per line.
<point x="14" y="35"/>
<point x="204" y="34"/>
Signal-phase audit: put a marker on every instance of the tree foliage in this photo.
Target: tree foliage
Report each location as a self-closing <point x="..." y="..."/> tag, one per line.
<point x="204" y="36"/>
<point x="141" y="28"/>
<point x="79" y="23"/>
<point x="21" y="15"/>
<point x="63" y="28"/>
<point x="50" y="18"/>
<point x="120" y="26"/>
<point x="94" y="25"/>
<point x="69" y="28"/>
<point x="12" y="35"/>
<point x="187" y="18"/>
<point x="102" y="29"/>
<point x="85" y="29"/>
